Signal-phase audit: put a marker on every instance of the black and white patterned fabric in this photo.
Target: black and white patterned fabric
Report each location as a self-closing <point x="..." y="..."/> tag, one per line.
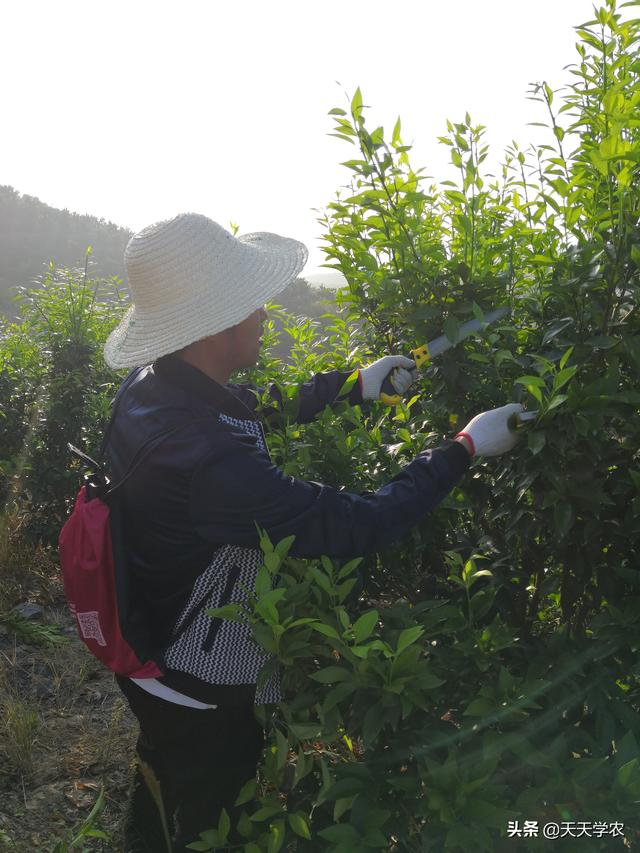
<point x="219" y="651"/>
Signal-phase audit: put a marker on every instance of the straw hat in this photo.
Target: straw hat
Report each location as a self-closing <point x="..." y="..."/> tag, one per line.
<point x="190" y="278"/>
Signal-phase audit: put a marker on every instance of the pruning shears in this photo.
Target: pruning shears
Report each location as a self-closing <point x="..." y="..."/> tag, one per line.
<point x="422" y="354"/>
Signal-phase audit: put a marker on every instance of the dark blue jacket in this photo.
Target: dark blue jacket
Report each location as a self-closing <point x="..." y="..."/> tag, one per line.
<point x="192" y="505"/>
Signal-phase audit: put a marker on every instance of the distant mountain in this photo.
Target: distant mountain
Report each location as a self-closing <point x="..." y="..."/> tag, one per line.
<point x="33" y="233"/>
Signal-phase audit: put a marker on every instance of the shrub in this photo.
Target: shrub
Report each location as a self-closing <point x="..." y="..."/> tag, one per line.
<point x="54" y="388"/>
<point x="484" y="670"/>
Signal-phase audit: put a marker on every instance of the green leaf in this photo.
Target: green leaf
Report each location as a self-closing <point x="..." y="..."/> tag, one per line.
<point x="305" y="731"/>
<point x="224" y="825"/>
<point x="565" y="357"/>
<point x="478" y="313"/>
<point x="363" y="626"/>
<point x="340" y="833"/>
<point x="481" y="602"/>
<point x="341" y="806"/>
<point x="343" y="617"/>
<point x="265" y="542"/>
<point x="283" y="546"/>
<point x="272" y="561"/>
<point x="305" y="620"/>
<point x="337" y="694"/>
<point x="563" y="376"/>
<point x="244" y="826"/>
<point x="265" y="813"/>
<point x="230" y="612"/>
<point x="536" y="381"/>
<point x="346" y="787"/>
<point x="345" y="588"/>
<point x="372" y="724"/>
<point x="374" y="838"/>
<point x="276" y="839"/>
<point x="331" y="675"/>
<point x="451" y="329"/>
<point x="247" y="792"/>
<point x="321" y="579"/>
<point x="326" y="630"/>
<point x="349" y="567"/>
<point x="282" y="749"/>
<point x="602" y="342"/>
<point x="626" y="772"/>
<point x="299" y="825"/>
<point x="558" y="400"/>
<point x="481" y="573"/>
<point x="535" y="392"/>
<point x="395" y="136"/>
<point x="263" y="582"/>
<point x="348" y="384"/>
<point x="563" y="518"/>
<point x="356" y="102"/>
<point x="536" y="440"/>
<point x="408" y="636"/>
<point x="327" y="565"/>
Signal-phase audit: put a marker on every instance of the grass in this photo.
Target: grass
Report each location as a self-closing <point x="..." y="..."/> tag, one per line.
<point x="66" y="734"/>
<point x="20" y="727"/>
<point x="32" y="632"/>
<point x="27" y="571"/>
<point x="104" y="746"/>
<point x="87" y="829"/>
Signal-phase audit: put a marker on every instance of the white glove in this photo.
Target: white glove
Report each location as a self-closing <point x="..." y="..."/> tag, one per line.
<point x="372" y="376"/>
<point x="490" y="433"/>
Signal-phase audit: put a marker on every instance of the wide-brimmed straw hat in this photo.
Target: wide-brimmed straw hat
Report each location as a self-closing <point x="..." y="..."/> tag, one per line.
<point x="190" y="278"/>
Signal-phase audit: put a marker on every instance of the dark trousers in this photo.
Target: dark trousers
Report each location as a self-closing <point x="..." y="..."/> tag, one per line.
<point x="191" y="764"/>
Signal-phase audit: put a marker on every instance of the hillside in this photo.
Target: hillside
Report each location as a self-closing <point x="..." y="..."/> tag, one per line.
<point x="33" y="233"/>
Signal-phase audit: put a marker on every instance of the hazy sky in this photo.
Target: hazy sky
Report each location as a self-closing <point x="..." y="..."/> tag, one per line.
<point x="135" y="111"/>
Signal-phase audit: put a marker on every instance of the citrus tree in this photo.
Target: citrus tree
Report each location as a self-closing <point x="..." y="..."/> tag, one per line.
<point x="482" y="673"/>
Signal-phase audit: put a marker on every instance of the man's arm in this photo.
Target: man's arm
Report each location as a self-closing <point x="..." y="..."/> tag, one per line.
<point x="237" y="485"/>
<point x="321" y="390"/>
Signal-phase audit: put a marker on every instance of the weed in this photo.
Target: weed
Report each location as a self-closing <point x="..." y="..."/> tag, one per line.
<point x="20" y="726"/>
<point x="33" y="632"/>
<point x="106" y="741"/>
<point x="71" y="667"/>
<point x="88" y="829"/>
<point x="6" y="842"/>
<point x="26" y="569"/>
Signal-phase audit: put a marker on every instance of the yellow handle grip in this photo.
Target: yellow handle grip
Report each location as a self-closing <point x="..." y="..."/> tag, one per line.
<point x="420" y="355"/>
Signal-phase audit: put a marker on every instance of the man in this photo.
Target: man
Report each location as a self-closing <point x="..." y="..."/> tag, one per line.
<point x="191" y="507"/>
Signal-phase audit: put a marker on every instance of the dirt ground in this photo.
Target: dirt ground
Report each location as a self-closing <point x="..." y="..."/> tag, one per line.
<point x="66" y="733"/>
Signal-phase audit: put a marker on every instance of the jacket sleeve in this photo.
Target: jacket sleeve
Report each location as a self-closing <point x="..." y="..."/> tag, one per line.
<point x="238" y="485"/>
<point x="320" y="391"/>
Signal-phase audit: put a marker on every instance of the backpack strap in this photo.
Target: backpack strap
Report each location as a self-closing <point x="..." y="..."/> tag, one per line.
<point x="116" y="402"/>
<point x="149" y="445"/>
<point x="98" y="482"/>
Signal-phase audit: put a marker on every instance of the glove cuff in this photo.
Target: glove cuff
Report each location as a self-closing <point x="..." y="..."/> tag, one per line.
<point x="469" y="439"/>
<point x="369" y="385"/>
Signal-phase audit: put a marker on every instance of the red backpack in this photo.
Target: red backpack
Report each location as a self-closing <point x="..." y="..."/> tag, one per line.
<point x="111" y="616"/>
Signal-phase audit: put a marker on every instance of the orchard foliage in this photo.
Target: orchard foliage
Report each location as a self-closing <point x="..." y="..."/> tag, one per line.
<point x="484" y="669"/>
<point x="54" y="388"/>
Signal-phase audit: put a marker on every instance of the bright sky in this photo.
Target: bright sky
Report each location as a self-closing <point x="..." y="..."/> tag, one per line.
<point x="135" y="110"/>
